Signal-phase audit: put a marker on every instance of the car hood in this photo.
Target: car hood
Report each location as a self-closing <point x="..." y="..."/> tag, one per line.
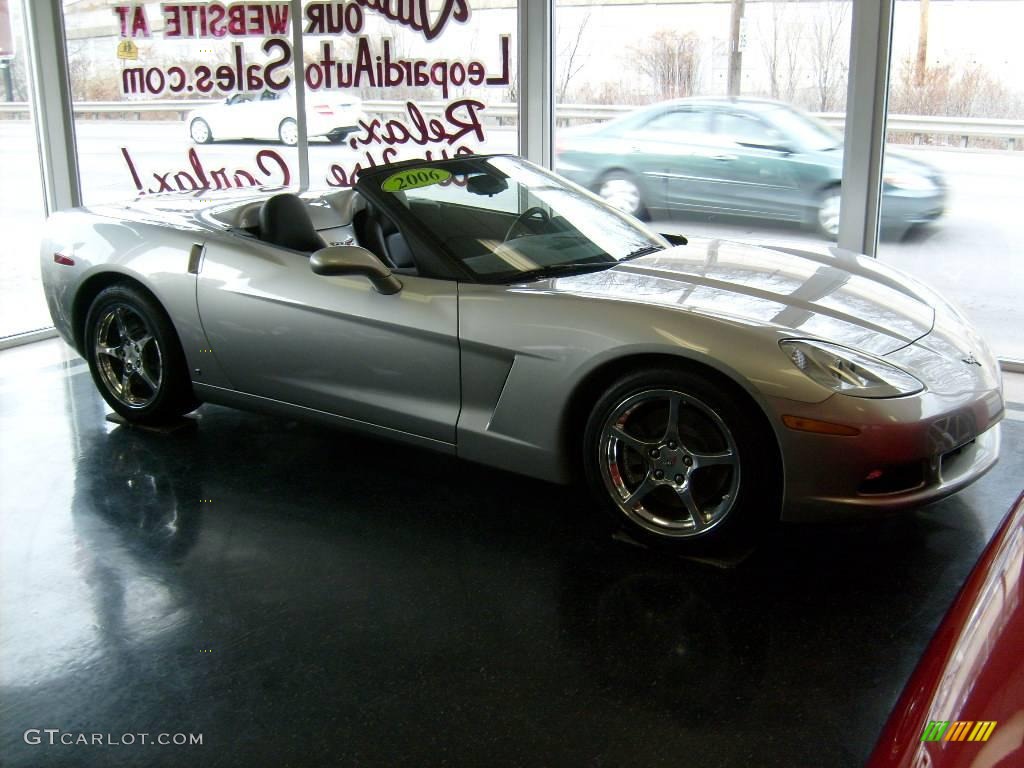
<point x="838" y="296"/>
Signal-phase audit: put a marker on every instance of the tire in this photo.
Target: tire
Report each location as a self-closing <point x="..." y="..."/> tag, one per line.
<point x="826" y="214"/>
<point x="135" y="357"/>
<point x="620" y="190"/>
<point x="288" y="132"/>
<point x="199" y="131"/>
<point x="693" y="484"/>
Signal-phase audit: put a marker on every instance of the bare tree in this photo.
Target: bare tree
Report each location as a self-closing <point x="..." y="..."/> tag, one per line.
<point x="569" y="61"/>
<point x="956" y="91"/>
<point x="780" y="47"/>
<point x="671" y="59"/>
<point x="829" y="62"/>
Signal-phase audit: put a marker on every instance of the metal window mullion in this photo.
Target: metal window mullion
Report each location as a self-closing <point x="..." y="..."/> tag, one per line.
<point x="864" y="144"/>
<point x="51" y="104"/>
<point x="300" y="93"/>
<point x="536" y="81"/>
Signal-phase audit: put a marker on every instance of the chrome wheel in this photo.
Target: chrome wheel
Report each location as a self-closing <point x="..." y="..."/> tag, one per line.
<point x="622" y="193"/>
<point x="200" y="131"/>
<point x="828" y="213"/>
<point x="289" y="132"/>
<point x="669" y="462"/>
<point x="128" y="357"/>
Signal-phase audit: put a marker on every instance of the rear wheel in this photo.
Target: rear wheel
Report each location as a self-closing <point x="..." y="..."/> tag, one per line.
<point x="135" y="357"/>
<point x="288" y="132"/>
<point x="200" y="131"/>
<point x="679" y="462"/>
<point x="620" y="190"/>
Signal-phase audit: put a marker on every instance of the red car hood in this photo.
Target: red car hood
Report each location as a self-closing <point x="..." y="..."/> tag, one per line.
<point x="973" y="671"/>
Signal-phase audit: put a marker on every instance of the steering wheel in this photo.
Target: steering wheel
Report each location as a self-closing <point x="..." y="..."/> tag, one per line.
<point x="527" y="219"/>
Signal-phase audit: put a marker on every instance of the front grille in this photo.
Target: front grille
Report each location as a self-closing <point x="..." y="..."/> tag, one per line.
<point x="950" y="461"/>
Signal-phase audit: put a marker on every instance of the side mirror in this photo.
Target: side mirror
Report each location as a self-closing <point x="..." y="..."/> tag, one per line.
<point x="353" y="260"/>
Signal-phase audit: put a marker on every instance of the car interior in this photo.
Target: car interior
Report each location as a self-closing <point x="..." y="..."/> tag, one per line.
<point x="307" y="225"/>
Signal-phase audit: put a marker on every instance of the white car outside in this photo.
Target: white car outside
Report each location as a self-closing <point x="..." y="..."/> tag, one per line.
<point x="270" y="115"/>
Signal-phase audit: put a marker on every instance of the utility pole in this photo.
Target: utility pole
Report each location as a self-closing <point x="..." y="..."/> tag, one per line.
<point x="736" y="44"/>
<point x="922" y="46"/>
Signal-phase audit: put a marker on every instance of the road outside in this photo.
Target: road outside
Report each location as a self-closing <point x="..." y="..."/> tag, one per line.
<point x="973" y="255"/>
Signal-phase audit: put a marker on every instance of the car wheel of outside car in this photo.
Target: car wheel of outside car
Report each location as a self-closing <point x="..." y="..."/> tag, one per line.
<point x="200" y="131"/>
<point x="620" y="190"/>
<point x="135" y="357"/>
<point x="826" y="216"/>
<point x="288" y="132"/>
<point x="680" y="463"/>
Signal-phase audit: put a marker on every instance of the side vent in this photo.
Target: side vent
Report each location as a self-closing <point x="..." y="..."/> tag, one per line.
<point x="195" y="257"/>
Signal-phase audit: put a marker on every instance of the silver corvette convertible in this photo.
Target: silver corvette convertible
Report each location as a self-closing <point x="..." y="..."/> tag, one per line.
<point x="487" y="308"/>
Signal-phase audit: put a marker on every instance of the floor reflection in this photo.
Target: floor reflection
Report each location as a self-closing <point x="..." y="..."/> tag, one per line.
<point x="277" y="587"/>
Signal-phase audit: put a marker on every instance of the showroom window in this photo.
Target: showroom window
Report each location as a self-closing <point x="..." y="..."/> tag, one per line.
<point x="764" y="165"/>
<point x="172" y="97"/>
<point x="168" y="100"/>
<point x="953" y="165"/>
<point x="22" y="307"/>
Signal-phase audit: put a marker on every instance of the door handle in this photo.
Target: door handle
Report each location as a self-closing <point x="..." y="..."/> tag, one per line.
<point x="723" y="157"/>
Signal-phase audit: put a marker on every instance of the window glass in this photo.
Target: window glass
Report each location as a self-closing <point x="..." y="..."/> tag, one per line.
<point x="167" y="97"/>
<point x="504" y="220"/>
<point x="22" y="306"/>
<point x="769" y="66"/>
<point x="680" y="120"/>
<point x="742" y="128"/>
<point x="953" y="165"/>
<point x="191" y="96"/>
<point x="431" y="88"/>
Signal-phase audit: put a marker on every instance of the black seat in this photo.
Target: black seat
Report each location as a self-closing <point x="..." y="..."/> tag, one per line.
<point x="284" y="221"/>
<point x="378" y="234"/>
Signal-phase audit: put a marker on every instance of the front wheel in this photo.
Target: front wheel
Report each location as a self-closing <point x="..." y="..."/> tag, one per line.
<point x="135" y="357"/>
<point x="288" y="132"/>
<point x="679" y="462"/>
<point x="827" y="214"/>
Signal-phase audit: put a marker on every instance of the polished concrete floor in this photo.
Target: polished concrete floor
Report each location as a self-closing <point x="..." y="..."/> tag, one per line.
<point x="302" y="597"/>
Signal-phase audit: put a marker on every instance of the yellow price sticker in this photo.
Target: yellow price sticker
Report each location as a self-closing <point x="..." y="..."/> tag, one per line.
<point x="413" y="178"/>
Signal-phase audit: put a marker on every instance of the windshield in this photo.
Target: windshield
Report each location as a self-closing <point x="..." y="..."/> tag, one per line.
<point x="505" y="219"/>
<point x="811" y="134"/>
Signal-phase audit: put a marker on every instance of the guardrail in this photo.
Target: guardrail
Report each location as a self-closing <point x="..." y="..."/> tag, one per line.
<point x="964" y="128"/>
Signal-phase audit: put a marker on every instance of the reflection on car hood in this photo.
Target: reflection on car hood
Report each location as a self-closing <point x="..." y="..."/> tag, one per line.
<point x="846" y="299"/>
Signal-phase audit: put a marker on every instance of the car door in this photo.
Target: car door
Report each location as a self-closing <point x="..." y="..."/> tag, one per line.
<point x="333" y="344"/>
<point x="679" y="153"/>
<point x="268" y="110"/>
<point x="753" y="172"/>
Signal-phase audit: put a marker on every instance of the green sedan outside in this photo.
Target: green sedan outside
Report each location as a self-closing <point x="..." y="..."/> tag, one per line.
<point x="744" y="157"/>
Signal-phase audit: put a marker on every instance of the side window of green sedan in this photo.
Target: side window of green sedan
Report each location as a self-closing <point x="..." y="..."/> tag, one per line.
<point x="679" y="121"/>
<point x="740" y="128"/>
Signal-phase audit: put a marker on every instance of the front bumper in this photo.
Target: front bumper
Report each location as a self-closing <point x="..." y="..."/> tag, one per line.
<point x="910" y="451"/>
<point x="905" y="208"/>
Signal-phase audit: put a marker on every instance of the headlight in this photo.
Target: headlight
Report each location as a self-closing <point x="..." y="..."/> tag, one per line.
<point x="909" y="181"/>
<point x="848" y="372"/>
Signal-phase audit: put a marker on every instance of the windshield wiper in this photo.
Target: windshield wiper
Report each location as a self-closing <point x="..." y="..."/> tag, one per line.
<point x="555" y="270"/>
<point x="642" y="252"/>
